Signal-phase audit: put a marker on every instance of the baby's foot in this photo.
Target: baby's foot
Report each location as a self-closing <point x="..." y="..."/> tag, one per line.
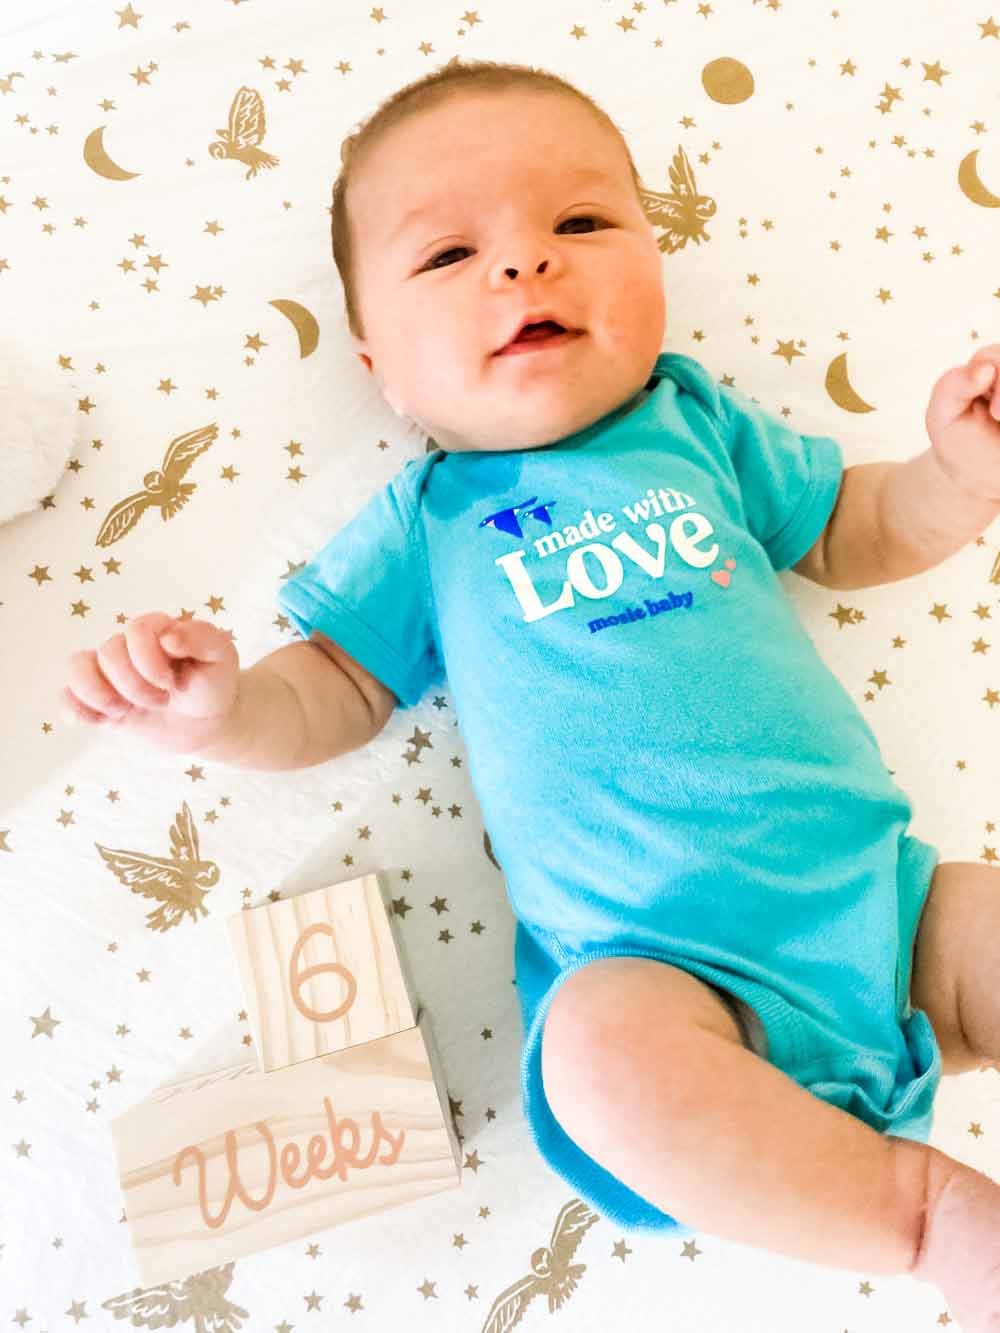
<point x="960" y="1250"/>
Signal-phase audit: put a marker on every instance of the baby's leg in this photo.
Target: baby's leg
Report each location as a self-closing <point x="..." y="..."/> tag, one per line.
<point x="644" y="1068"/>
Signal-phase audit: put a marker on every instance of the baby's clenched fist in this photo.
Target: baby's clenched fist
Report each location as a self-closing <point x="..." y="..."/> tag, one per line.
<point x="173" y="682"/>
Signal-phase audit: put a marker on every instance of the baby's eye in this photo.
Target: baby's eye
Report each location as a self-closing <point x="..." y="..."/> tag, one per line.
<point x="432" y="263"/>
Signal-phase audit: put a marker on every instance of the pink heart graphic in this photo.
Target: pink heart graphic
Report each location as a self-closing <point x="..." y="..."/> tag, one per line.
<point x="730" y="564"/>
<point x="721" y="576"/>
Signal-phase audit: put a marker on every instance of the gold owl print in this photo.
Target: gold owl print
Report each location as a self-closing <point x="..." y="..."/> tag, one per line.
<point x="180" y="882"/>
<point x="683" y="212"/>
<point x="162" y="487"/>
<point x="200" y="1297"/>
<point x="246" y="130"/>
<point x="552" y="1273"/>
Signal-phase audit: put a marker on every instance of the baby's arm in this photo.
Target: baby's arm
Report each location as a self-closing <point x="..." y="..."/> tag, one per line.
<point x="300" y="706"/>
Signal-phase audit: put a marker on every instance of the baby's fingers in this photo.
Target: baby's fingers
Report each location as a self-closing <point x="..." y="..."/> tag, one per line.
<point x="120" y="671"/>
<point x="198" y="640"/>
<point x="206" y="668"/>
<point x="142" y="639"/>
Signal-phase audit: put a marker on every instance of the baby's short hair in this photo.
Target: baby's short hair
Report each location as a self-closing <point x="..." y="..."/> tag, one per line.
<point x="455" y="77"/>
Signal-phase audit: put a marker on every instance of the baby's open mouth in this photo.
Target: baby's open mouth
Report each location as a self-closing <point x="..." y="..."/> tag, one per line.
<point x="537" y="337"/>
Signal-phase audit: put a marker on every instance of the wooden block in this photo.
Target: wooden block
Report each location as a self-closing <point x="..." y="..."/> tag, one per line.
<point x="322" y="971"/>
<point x="221" y="1166"/>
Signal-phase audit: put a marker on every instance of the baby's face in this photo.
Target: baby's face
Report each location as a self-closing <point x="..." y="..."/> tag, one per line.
<point x="529" y="204"/>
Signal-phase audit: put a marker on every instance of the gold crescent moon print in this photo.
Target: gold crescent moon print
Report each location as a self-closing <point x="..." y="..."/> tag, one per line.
<point x="96" y="157"/>
<point x="838" y="386"/>
<point x="970" y="184"/>
<point x="304" y="323"/>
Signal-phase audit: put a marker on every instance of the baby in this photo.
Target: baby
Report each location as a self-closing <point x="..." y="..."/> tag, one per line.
<point x="717" y="899"/>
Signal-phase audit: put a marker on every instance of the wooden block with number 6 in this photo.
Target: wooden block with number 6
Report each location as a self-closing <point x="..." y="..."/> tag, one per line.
<point x="322" y="971"/>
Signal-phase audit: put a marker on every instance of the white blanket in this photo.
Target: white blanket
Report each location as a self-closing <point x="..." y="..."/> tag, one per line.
<point x="842" y="252"/>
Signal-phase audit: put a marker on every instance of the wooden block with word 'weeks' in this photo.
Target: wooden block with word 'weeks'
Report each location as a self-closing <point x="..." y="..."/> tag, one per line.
<point x="220" y="1166"/>
<point x="322" y="971"/>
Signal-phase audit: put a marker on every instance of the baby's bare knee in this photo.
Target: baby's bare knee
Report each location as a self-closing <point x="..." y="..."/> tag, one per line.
<point x="623" y="1025"/>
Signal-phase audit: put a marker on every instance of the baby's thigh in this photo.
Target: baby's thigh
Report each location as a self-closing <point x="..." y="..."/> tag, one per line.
<point x="605" y="1014"/>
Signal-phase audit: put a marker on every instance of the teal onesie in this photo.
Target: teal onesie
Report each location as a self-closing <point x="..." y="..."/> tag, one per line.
<point x="665" y="765"/>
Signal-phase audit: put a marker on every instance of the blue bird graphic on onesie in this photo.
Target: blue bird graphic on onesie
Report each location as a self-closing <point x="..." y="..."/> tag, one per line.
<point x="506" y="520"/>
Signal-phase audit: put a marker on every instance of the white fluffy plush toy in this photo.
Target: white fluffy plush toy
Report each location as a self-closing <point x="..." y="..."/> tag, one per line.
<point x="37" y="415"/>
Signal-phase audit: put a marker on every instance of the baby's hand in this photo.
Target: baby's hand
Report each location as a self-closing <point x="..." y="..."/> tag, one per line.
<point x="171" y="682"/>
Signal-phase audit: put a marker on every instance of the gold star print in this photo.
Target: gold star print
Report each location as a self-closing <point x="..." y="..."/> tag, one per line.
<point x="44" y="1023"/>
<point x="312" y="1301"/>
<point x="940" y="612"/>
<point x="691" y="1250"/>
<point x="619" y="1250"/>
<point x="844" y="615"/>
<point x="880" y="678"/>
<point x="427" y="1290"/>
<point x="787" y="350"/>
<point x="991" y="697"/>
<point x="980" y="646"/>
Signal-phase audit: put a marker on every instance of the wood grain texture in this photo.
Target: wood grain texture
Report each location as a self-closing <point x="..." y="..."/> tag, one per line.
<point x="322" y="971"/>
<point x="223" y="1166"/>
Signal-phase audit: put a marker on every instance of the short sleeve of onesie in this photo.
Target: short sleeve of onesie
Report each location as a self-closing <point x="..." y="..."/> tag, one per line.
<point x="789" y="481"/>
<point x="368" y="591"/>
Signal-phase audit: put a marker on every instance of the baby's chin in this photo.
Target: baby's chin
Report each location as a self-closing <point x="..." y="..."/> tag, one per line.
<point x="497" y="435"/>
<point x="495" y="444"/>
